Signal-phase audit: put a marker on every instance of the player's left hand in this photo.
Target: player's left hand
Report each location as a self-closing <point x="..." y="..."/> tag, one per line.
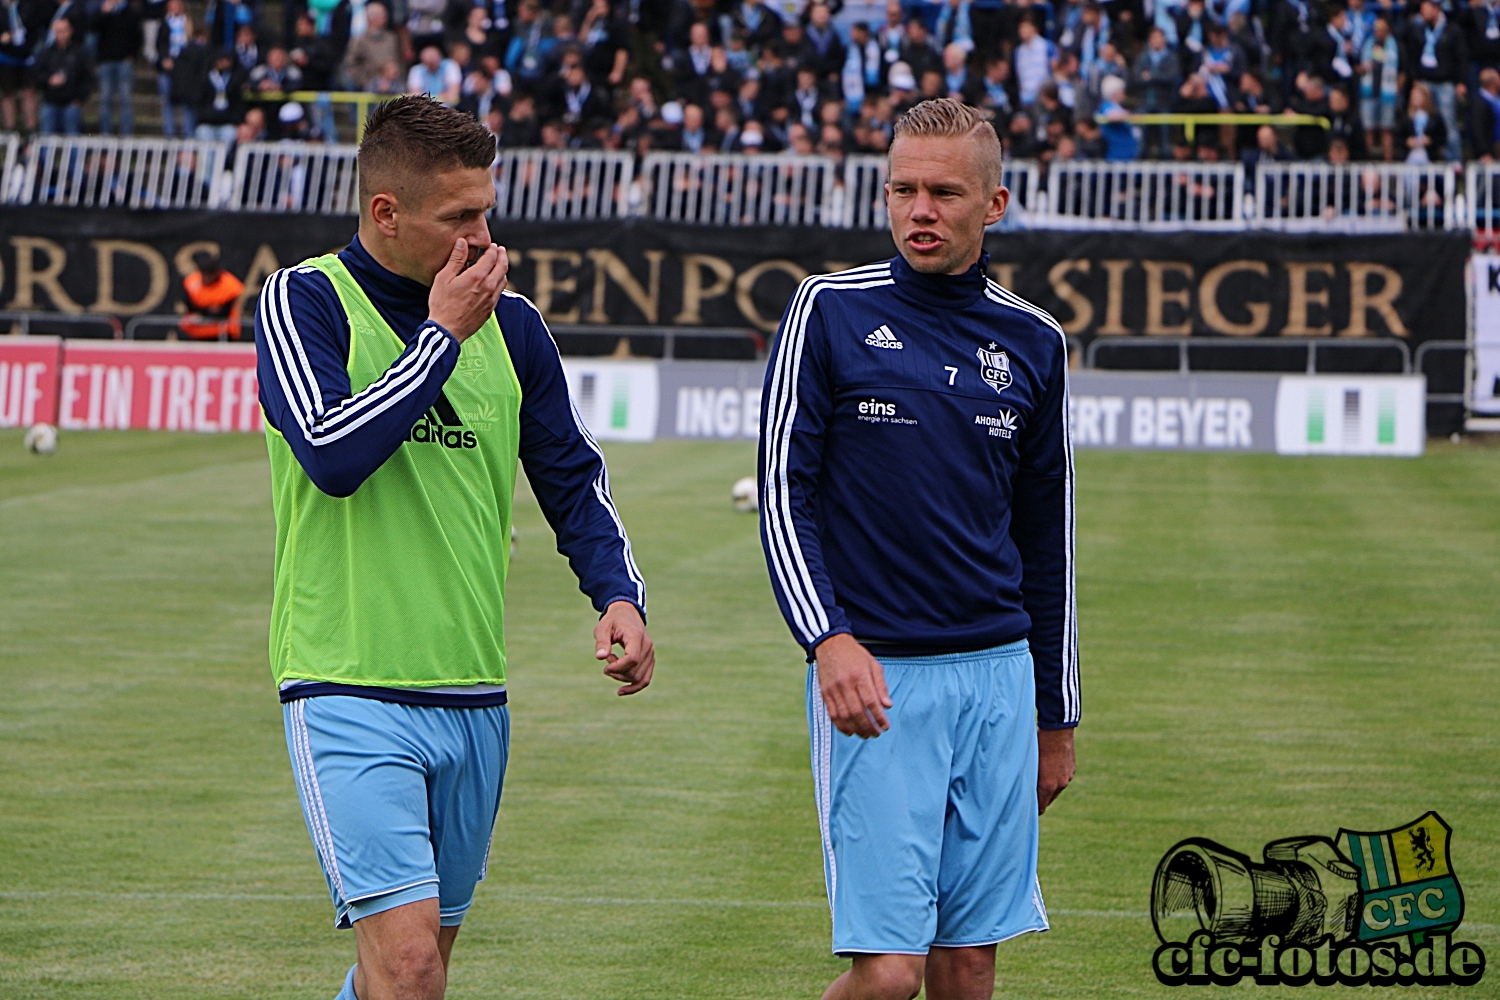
<point x="622" y="626"/>
<point x="1056" y="765"/>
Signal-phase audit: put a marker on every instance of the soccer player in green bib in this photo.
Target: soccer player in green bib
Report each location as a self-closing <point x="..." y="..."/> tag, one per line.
<point x="402" y="384"/>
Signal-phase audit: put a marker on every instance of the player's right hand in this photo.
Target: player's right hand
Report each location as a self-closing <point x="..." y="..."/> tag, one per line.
<point x="462" y="299"/>
<point x="853" y="686"/>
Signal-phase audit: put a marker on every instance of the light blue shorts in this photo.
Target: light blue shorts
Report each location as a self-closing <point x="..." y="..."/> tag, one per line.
<point x="930" y="829"/>
<point x="400" y="800"/>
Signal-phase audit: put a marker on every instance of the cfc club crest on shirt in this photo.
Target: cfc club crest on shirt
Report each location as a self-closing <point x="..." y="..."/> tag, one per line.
<point x="994" y="367"/>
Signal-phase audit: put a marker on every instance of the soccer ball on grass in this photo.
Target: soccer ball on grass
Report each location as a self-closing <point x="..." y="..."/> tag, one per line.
<point x="745" y="495"/>
<point x="41" y="439"/>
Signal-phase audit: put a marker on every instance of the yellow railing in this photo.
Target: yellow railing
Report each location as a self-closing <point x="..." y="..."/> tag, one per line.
<point x="1190" y="123"/>
<point x="361" y="101"/>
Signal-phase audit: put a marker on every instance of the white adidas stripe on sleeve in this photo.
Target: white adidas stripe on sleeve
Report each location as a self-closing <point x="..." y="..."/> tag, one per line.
<point x="300" y="386"/>
<point x="1071" y="687"/>
<point x="786" y="557"/>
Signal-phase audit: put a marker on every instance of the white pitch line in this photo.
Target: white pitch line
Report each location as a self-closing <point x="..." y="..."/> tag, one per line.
<point x="211" y="897"/>
<point x="770" y="904"/>
<point x="765" y="904"/>
<point x="267" y="897"/>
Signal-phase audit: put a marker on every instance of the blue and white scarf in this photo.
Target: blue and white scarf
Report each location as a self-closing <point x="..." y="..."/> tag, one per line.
<point x="177" y="34"/>
<point x="1430" y="38"/>
<point x="17" y="31"/>
<point x="752" y="13"/>
<point x="1217" y="88"/>
<point x="963" y="30"/>
<point x="1164" y="16"/>
<point x="1494" y="103"/>
<point x="1419" y="154"/>
<point x="1386" y="66"/>
<point x="999" y="97"/>
<point x="1340" y="58"/>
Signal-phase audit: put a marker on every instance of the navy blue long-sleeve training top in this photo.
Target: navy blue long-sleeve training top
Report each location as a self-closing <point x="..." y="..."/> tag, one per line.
<point x="916" y="473"/>
<point x="341" y="438"/>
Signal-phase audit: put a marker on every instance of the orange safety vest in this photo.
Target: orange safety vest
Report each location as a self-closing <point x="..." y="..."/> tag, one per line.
<point x="219" y="302"/>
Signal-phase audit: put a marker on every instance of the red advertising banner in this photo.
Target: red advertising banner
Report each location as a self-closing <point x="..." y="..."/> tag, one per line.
<point x="28" y="380"/>
<point x="119" y="385"/>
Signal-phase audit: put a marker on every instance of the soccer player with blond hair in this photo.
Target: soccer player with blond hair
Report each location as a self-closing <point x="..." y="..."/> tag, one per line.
<point x="917" y="517"/>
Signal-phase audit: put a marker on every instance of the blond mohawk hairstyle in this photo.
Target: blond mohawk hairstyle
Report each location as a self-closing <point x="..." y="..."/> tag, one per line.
<point x="944" y="118"/>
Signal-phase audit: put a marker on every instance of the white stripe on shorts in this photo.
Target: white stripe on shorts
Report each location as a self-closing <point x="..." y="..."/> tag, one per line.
<point x="822" y="747"/>
<point x="312" y="795"/>
<point x="1041" y="907"/>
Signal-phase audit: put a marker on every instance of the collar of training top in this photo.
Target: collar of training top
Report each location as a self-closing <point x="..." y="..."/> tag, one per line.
<point x="374" y="278"/>
<point x="945" y="291"/>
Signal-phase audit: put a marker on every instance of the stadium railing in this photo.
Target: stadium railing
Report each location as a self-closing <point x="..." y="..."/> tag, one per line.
<point x="158" y="326"/>
<point x="294" y="177"/>
<point x="1482" y="188"/>
<point x="20" y="322"/>
<point x="1142" y="195"/>
<point x="668" y="343"/>
<point x="1461" y="373"/>
<point x="737" y="189"/>
<point x="1357" y="197"/>
<point x="1184" y="346"/>
<point x="864" y="191"/>
<point x="103" y="172"/>
<point x="547" y="185"/>
<point x="1191" y="122"/>
<point x="10" y="161"/>
<point x="743" y="190"/>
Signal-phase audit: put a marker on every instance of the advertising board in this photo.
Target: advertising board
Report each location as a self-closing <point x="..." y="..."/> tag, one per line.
<point x="212" y="388"/>
<point x="616" y="399"/>
<point x="28" y="380"/>
<point x="120" y="385"/>
<point x="1485" y="398"/>
<point x="1351" y="415"/>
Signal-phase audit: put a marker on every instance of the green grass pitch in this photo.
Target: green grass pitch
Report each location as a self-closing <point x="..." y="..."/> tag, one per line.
<point x="1272" y="647"/>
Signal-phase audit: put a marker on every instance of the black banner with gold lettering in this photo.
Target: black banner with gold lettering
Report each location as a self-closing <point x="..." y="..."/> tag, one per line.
<point x="1250" y="284"/>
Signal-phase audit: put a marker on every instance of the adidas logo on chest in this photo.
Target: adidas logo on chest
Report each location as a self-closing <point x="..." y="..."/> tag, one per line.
<point x="883" y="337"/>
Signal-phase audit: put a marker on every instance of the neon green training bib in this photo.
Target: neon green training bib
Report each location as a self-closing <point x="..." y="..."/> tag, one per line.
<point x="403" y="583"/>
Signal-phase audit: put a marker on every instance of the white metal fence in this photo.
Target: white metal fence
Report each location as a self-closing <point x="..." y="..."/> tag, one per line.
<point x="10" y="164"/>
<point x="749" y="190"/>
<point x="864" y="193"/>
<point x="545" y="185"/>
<point x="294" y="177"/>
<point x="102" y="172"/>
<point x="1138" y="195"/>
<point x="738" y="189"/>
<point x="1356" y="197"/>
<point x="1482" y="189"/>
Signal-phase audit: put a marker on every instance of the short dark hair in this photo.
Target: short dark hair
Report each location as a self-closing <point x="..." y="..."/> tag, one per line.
<point x="415" y="137"/>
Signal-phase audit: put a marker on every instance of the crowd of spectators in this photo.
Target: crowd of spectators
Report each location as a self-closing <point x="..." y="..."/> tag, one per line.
<point x="1060" y="79"/>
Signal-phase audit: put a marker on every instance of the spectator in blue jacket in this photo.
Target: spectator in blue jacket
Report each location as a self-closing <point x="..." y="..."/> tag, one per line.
<point x="1120" y="139"/>
<point x="224" y="19"/>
